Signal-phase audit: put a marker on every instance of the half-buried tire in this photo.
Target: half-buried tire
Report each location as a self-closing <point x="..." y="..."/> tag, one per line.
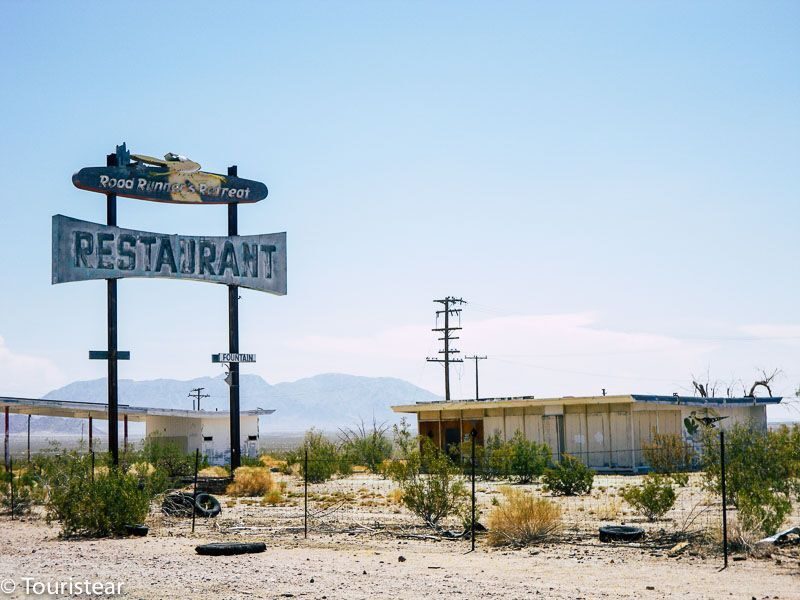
<point x="620" y="533"/>
<point x="206" y="505"/>
<point x="229" y="549"/>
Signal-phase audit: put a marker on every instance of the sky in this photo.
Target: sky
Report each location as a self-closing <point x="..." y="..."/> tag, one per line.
<point x="611" y="186"/>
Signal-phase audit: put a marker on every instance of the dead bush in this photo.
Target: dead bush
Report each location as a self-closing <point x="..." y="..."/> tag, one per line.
<point x="522" y="519"/>
<point x="271" y="462"/>
<point x="213" y="472"/>
<point x="273" y="497"/>
<point x="250" y="481"/>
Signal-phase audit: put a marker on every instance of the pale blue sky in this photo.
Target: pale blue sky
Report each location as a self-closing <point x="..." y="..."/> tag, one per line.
<point x="629" y="169"/>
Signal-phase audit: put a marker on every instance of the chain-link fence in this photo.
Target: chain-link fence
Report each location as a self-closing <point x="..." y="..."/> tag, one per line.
<point x="304" y="495"/>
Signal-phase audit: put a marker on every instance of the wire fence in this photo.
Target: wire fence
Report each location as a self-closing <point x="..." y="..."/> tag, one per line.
<point x="311" y="496"/>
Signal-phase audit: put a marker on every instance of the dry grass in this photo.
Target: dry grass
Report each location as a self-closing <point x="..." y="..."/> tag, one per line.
<point x="610" y="510"/>
<point x="271" y="462"/>
<point x="522" y="519"/>
<point x="395" y="496"/>
<point x="213" y="472"/>
<point x="142" y="469"/>
<point x="273" y="497"/>
<point x="739" y="539"/>
<point x="250" y="481"/>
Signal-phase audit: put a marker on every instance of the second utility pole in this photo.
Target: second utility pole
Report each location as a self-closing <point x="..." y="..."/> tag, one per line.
<point x="476" y="358"/>
<point x="446" y="338"/>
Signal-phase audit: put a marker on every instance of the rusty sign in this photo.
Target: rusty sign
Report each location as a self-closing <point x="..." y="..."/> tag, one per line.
<point x="84" y="251"/>
<point x="174" y="179"/>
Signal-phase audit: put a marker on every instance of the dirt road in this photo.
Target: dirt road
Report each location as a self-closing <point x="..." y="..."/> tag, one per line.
<point x="342" y="566"/>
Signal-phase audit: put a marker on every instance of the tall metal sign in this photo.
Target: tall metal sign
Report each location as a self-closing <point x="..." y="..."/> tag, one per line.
<point x="85" y="251"/>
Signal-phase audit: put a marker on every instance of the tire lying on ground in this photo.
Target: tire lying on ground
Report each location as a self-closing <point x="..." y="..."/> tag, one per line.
<point x="137" y="530"/>
<point x="620" y="533"/>
<point x="207" y="506"/>
<point x="181" y="504"/>
<point x="229" y="549"/>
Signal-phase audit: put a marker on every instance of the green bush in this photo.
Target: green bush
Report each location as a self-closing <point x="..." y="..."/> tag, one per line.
<point x="529" y="459"/>
<point x="519" y="459"/>
<point x="653" y="499"/>
<point x="166" y="456"/>
<point x="365" y="446"/>
<point x="762" y="473"/>
<point x="432" y="486"/>
<point x="496" y="458"/>
<point x="570" y="477"/>
<point x="25" y="490"/>
<point x="94" y="506"/>
<point x="324" y="459"/>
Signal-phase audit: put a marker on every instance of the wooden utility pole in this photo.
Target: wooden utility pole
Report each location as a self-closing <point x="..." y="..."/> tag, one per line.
<point x="197" y="394"/>
<point x="447" y="302"/>
<point x="476" y="358"/>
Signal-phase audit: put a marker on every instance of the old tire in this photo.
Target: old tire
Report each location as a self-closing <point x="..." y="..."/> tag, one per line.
<point x="207" y="506"/>
<point x="229" y="549"/>
<point x="620" y="533"/>
<point x="136" y="530"/>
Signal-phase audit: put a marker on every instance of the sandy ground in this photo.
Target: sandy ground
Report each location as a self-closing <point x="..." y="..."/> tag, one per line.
<point x="355" y="566"/>
<point x="355" y="544"/>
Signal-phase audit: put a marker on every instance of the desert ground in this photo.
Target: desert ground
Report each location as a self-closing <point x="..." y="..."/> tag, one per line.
<point x="363" y="544"/>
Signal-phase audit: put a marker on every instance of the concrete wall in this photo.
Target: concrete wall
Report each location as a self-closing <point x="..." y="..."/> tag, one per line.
<point x="604" y="436"/>
<point x="190" y="433"/>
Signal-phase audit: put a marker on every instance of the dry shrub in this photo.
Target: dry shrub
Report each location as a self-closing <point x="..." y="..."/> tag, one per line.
<point x="213" y="472"/>
<point x="609" y="511"/>
<point x="142" y="469"/>
<point x="395" y="496"/>
<point x="271" y="462"/>
<point x="739" y="538"/>
<point x="250" y="481"/>
<point x="273" y="497"/>
<point x="360" y="469"/>
<point x="522" y="519"/>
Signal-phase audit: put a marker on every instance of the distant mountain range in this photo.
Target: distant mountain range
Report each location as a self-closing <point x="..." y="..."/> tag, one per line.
<point x="327" y="402"/>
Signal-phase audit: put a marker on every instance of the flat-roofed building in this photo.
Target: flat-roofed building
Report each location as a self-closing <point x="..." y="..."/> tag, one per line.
<point x="605" y="432"/>
<point x="187" y="429"/>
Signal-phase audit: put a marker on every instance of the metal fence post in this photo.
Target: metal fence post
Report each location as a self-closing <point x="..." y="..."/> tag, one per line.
<point x="11" y="472"/>
<point x="194" y="493"/>
<point x="473" y="435"/>
<point x="724" y="498"/>
<point x="305" y="493"/>
<point x="92" y="455"/>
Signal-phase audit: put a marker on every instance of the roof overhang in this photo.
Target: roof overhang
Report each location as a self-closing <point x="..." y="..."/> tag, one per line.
<point x="96" y="410"/>
<point x="526" y="401"/>
<point x="511" y="402"/>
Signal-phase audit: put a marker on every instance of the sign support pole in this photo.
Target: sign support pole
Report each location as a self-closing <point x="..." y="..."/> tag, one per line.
<point x="113" y="391"/>
<point x="233" y="340"/>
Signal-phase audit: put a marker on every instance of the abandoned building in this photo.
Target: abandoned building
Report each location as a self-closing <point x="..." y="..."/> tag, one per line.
<point x="188" y="429"/>
<point x="605" y="432"/>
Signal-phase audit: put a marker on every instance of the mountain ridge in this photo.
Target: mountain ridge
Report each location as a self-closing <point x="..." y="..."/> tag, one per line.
<point x="327" y="401"/>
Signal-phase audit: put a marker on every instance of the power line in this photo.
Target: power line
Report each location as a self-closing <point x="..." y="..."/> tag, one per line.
<point x="446" y="331"/>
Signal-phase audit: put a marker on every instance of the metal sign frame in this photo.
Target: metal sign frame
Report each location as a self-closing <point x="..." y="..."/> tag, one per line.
<point x="179" y="181"/>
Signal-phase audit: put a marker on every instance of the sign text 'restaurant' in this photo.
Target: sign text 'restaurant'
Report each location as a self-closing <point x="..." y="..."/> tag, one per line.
<point x="83" y="251"/>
